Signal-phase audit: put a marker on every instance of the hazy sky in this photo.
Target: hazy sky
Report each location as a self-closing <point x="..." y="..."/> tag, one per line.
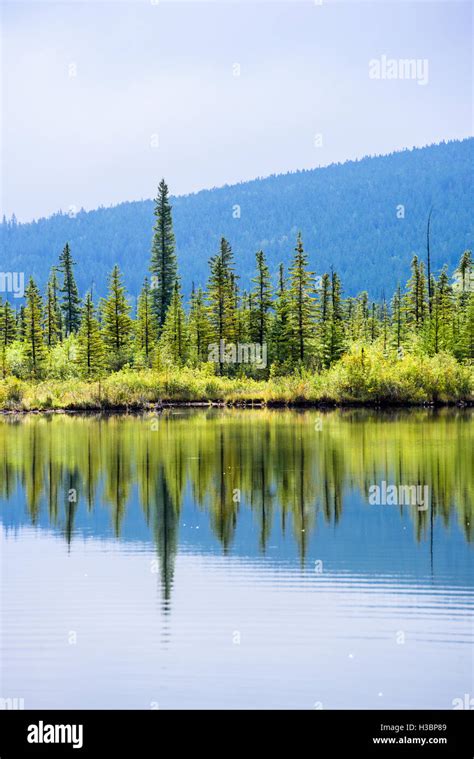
<point x="89" y="89"/>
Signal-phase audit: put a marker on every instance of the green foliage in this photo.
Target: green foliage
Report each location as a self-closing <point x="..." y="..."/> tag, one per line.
<point x="90" y="347"/>
<point x="318" y="344"/>
<point x="116" y="322"/>
<point x="163" y="258"/>
<point x="33" y="321"/>
<point x="302" y="306"/>
<point x="174" y="341"/>
<point x="70" y="303"/>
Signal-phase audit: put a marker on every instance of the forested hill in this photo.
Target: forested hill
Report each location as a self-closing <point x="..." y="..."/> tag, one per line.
<point x="347" y="214"/>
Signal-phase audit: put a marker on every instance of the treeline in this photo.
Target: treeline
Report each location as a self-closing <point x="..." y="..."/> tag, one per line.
<point x="303" y="321"/>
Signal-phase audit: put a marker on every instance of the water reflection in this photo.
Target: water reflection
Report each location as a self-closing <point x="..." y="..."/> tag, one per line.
<point x="233" y="511"/>
<point x="286" y="467"/>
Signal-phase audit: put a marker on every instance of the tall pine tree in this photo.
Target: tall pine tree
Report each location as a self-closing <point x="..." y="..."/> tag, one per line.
<point x="90" y="347"/>
<point x="33" y="326"/>
<point x="70" y="302"/>
<point x="163" y="266"/>
<point x="116" y="321"/>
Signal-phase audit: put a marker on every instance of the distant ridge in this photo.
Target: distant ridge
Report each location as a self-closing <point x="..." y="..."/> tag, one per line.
<point x="350" y="215"/>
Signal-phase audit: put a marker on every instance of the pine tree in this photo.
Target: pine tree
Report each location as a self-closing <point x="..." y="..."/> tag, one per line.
<point x="7" y="332"/>
<point x="441" y="331"/>
<point x="323" y="329"/>
<point x="116" y="321"/>
<point x="90" y="347"/>
<point x="385" y="319"/>
<point x="415" y="301"/>
<point x="199" y="328"/>
<point x="34" y="340"/>
<point x="70" y="303"/>
<point x="463" y="288"/>
<point x="163" y="266"/>
<point x="20" y="323"/>
<point x="221" y="297"/>
<point x="261" y="300"/>
<point x="52" y="312"/>
<point x="174" y="341"/>
<point x="302" y="305"/>
<point x="398" y="320"/>
<point x="281" y="327"/>
<point x="145" y="334"/>
<point x="336" y="345"/>
<point x="7" y="324"/>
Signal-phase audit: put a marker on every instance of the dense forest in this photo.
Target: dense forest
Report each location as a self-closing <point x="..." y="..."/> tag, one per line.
<point x="367" y="218"/>
<point x="294" y="324"/>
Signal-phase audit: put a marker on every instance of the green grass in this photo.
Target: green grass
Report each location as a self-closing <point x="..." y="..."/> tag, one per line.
<point x="367" y="378"/>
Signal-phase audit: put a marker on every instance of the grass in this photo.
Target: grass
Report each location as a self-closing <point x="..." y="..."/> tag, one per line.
<point x="366" y="377"/>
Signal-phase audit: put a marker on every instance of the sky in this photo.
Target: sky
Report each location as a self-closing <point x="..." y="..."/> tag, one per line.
<point x="101" y="100"/>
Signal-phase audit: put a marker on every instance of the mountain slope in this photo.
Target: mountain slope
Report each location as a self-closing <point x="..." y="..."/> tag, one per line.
<point x="347" y="214"/>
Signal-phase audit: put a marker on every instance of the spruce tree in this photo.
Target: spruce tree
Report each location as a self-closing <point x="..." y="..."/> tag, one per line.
<point x="163" y="266"/>
<point x="90" y="347"/>
<point x="33" y="321"/>
<point x="221" y="297"/>
<point x="70" y="303"/>
<point x="302" y="305"/>
<point x="463" y="288"/>
<point x="442" y="314"/>
<point x="174" y="341"/>
<point x="261" y="300"/>
<point x="7" y="332"/>
<point x="336" y="345"/>
<point x="116" y="321"/>
<point x="323" y="330"/>
<point x="7" y="324"/>
<point x="199" y="327"/>
<point x="52" y="312"/>
<point x="398" y="320"/>
<point x="281" y="326"/>
<point x="145" y="333"/>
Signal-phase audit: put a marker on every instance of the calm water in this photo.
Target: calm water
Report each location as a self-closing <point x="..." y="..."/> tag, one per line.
<point x="232" y="559"/>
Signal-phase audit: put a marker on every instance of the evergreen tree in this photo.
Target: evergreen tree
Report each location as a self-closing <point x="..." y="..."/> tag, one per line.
<point x="441" y="331"/>
<point x="323" y="329"/>
<point x="52" y="312"/>
<point x="70" y="303"/>
<point x="261" y="300"/>
<point x="281" y="327"/>
<point x="116" y="321"/>
<point x="415" y="299"/>
<point x="174" y="341"/>
<point x="163" y="266"/>
<point x="7" y="332"/>
<point x="7" y="324"/>
<point x="302" y="305"/>
<point x="221" y="297"/>
<point x="463" y="289"/>
<point x="90" y="347"/>
<point x="34" y="340"/>
<point x="145" y="334"/>
<point x="199" y="328"/>
<point x="336" y="345"/>
<point x="398" y="320"/>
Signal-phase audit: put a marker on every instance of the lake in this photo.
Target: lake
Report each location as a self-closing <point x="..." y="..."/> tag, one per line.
<point x="236" y="559"/>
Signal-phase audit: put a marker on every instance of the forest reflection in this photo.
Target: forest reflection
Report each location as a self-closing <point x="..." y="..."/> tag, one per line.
<point x="286" y="466"/>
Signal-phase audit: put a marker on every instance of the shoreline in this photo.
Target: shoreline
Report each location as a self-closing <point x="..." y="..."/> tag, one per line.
<point x="247" y="405"/>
